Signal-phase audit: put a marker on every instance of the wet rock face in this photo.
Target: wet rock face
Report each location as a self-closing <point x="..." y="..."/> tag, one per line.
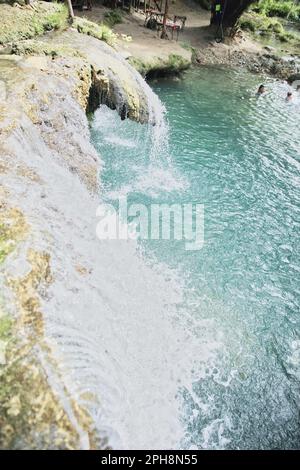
<point x="48" y="98"/>
<point x="44" y="138"/>
<point x="48" y="199"/>
<point x="294" y="78"/>
<point x="47" y="166"/>
<point x="31" y="412"/>
<point x="27" y="404"/>
<point x="111" y="80"/>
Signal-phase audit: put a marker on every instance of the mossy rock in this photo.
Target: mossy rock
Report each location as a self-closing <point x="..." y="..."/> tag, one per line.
<point x="35" y="47"/>
<point x="101" y="32"/>
<point x="26" y="23"/>
<point x="293" y="78"/>
<point x="157" y="66"/>
<point x="13" y="228"/>
<point x="5" y="327"/>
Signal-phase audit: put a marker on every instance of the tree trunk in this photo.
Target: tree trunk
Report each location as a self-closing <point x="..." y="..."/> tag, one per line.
<point x="164" y="27"/>
<point x="231" y="10"/>
<point x="70" y="9"/>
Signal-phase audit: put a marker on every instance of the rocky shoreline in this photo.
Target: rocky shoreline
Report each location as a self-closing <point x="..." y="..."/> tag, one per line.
<point x="267" y="61"/>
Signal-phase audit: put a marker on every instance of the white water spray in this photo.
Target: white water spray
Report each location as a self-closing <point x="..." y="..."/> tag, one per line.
<point x="123" y="340"/>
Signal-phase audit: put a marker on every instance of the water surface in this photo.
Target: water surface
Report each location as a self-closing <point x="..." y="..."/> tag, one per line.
<point x="232" y="381"/>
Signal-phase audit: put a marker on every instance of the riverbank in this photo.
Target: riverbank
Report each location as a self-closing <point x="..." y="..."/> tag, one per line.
<point x="196" y="45"/>
<point x="25" y="31"/>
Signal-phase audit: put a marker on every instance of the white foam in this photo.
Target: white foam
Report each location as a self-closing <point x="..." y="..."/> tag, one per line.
<point x="146" y="346"/>
<point x="118" y="141"/>
<point x="293" y="360"/>
<point x="157" y="179"/>
<point x="120" y="326"/>
<point x="119" y="331"/>
<point x="152" y="182"/>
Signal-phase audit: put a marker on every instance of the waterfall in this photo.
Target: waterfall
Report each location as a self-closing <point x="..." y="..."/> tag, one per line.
<point x="158" y="125"/>
<point x="116" y="320"/>
<point x="120" y="339"/>
<point x="163" y="348"/>
<point x="151" y="140"/>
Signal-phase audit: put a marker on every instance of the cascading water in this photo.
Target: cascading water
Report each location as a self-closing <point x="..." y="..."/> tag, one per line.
<point x="119" y="339"/>
<point x="169" y="344"/>
<point x="151" y="143"/>
<point x="176" y="349"/>
<point x="233" y="371"/>
<point x="156" y="139"/>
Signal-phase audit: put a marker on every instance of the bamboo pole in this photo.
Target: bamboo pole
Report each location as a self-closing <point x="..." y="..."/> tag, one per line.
<point x="164" y="27"/>
<point x="70" y="10"/>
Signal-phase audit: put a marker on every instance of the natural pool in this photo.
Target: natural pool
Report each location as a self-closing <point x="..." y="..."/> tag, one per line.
<point x="216" y="363"/>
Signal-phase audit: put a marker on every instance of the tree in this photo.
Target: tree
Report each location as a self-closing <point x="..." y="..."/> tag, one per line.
<point x="231" y="10"/>
<point x="165" y="18"/>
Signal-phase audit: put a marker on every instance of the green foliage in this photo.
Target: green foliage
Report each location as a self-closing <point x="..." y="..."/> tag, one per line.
<point x="276" y="27"/>
<point x="87" y="27"/>
<point x="26" y="23"/>
<point x="141" y="66"/>
<point x="259" y="21"/>
<point x="6" y="324"/>
<point x="280" y="8"/>
<point x="177" y="62"/>
<point x="108" y="35"/>
<point x="58" y="19"/>
<point x="101" y="32"/>
<point x="160" y="66"/>
<point x="113" y="17"/>
<point x="248" y="24"/>
<point x="285" y="36"/>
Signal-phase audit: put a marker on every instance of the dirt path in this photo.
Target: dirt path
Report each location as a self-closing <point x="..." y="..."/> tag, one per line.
<point x="136" y="40"/>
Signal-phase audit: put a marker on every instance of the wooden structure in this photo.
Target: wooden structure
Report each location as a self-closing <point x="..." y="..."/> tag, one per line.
<point x="159" y="19"/>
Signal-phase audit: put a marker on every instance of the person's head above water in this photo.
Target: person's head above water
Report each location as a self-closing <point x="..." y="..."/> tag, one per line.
<point x="289" y="96"/>
<point x="261" y="89"/>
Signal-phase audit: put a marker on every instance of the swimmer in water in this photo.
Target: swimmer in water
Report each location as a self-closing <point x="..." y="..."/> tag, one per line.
<point x="261" y="90"/>
<point x="289" y="96"/>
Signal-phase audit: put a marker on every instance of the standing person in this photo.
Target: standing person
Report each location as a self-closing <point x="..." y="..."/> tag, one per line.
<point x="216" y="12"/>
